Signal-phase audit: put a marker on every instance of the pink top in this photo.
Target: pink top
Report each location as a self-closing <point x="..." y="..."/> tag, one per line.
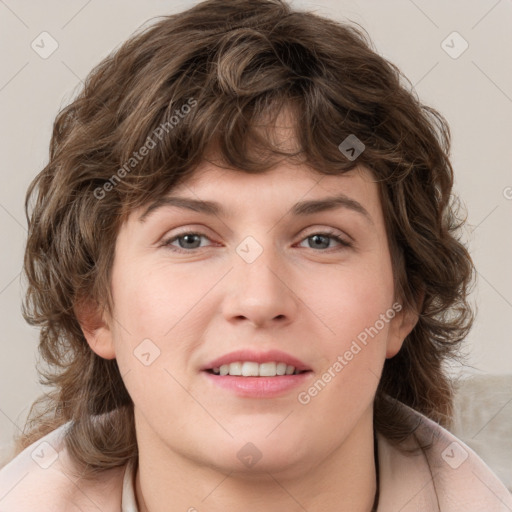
<point x="447" y="477"/>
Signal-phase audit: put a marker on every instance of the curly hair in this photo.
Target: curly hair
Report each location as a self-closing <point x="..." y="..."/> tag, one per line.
<point x="202" y="82"/>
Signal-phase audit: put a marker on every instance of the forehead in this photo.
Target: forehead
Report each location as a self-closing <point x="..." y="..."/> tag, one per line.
<point x="298" y="190"/>
<point x="283" y="177"/>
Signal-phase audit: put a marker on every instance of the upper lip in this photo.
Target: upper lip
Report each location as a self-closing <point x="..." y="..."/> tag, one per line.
<point x="256" y="357"/>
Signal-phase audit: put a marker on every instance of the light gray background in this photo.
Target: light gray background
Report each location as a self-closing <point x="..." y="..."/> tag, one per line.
<point x="473" y="91"/>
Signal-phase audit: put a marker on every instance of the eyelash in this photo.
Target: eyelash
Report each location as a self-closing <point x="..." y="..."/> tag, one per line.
<point x="334" y="236"/>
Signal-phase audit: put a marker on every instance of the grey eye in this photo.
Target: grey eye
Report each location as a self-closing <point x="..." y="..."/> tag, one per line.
<point x="191" y="241"/>
<point x="319" y="241"/>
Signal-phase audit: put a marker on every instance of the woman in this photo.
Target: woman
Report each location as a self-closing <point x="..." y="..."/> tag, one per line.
<point x="210" y="347"/>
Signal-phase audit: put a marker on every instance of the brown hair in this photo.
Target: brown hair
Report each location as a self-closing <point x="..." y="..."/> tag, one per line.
<point x="202" y="82"/>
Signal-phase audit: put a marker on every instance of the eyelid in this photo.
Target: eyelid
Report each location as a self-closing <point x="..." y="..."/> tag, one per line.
<point x="329" y="231"/>
<point x="186" y="230"/>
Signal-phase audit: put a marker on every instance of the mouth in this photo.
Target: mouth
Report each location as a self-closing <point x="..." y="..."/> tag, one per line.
<point x="254" y="369"/>
<point x="252" y="374"/>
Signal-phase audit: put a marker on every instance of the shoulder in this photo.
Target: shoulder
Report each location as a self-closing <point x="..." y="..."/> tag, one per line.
<point x="434" y="470"/>
<point x="43" y="477"/>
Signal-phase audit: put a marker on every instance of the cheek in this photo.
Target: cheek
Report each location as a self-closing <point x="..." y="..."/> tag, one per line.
<point x="357" y="308"/>
<point x="140" y="316"/>
<point x="352" y="298"/>
<point x="359" y="314"/>
<point x="145" y="309"/>
<point x="150" y="301"/>
<point x="159" y="310"/>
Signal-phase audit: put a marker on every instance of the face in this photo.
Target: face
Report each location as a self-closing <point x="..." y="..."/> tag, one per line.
<point x="276" y="277"/>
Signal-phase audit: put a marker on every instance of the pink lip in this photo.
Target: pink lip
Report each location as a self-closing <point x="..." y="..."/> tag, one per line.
<point x="258" y="387"/>
<point x="257" y="357"/>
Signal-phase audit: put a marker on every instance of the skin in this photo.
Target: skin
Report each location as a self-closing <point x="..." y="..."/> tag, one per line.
<point x="306" y="300"/>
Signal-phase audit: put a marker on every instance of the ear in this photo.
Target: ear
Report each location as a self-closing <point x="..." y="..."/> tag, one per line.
<point x="95" y="328"/>
<point x="401" y="325"/>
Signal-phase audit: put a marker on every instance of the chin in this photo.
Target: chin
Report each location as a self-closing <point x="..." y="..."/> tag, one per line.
<point x="284" y="464"/>
<point x="255" y="453"/>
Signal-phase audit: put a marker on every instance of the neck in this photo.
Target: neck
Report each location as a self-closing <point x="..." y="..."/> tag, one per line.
<point x="343" y="480"/>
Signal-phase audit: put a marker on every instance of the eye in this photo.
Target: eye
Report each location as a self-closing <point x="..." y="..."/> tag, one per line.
<point x="190" y="241"/>
<point x="322" y="240"/>
<point x="187" y="242"/>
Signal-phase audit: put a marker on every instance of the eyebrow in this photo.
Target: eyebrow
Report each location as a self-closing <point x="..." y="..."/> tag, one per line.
<point x="302" y="208"/>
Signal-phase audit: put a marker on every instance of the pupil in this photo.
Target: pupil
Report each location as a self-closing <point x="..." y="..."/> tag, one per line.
<point x="189" y="239"/>
<point x="318" y="238"/>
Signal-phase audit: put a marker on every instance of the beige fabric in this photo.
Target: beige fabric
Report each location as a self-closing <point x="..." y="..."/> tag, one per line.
<point x="43" y="478"/>
<point x="483" y="420"/>
<point x="129" y="502"/>
<point x="447" y="477"/>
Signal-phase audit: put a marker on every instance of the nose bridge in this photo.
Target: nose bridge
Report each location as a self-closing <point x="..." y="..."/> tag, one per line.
<point x="258" y="290"/>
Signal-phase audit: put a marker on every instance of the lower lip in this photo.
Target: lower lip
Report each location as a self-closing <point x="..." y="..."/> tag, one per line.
<point x="259" y="387"/>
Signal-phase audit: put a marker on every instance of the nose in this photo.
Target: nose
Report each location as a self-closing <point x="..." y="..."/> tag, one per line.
<point x="260" y="293"/>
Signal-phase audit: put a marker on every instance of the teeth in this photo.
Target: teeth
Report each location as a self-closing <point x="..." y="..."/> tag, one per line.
<point x="267" y="369"/>
<point x="251" y="369"/>
<point x="234" y="368"/>
<point x="281" y="368"/>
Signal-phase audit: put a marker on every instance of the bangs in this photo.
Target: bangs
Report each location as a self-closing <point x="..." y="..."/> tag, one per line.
<point x="247" y="104"/>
